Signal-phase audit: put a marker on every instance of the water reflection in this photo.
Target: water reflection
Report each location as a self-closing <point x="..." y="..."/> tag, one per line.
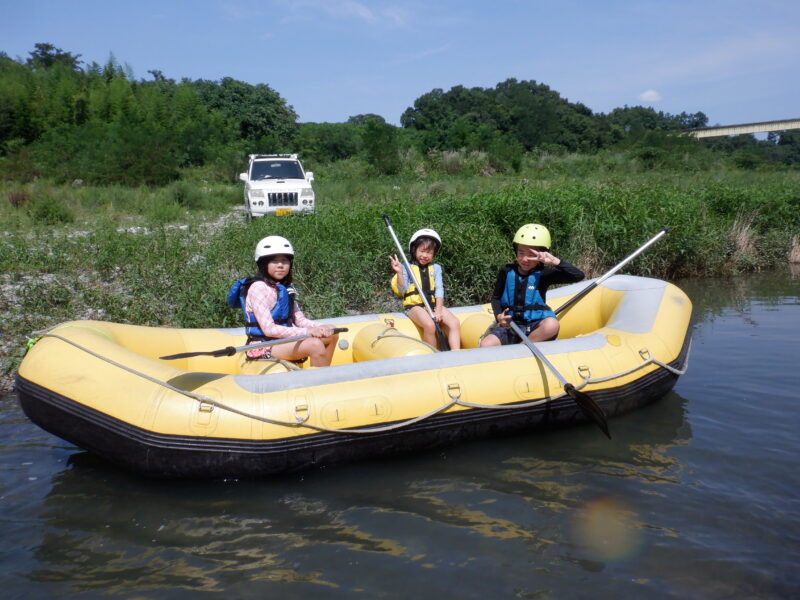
<point x="107" y="529"/>
<point x="713" y="297"/>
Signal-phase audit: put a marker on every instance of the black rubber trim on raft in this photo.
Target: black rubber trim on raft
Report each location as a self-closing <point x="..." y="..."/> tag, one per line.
<point x="170" y="456"/>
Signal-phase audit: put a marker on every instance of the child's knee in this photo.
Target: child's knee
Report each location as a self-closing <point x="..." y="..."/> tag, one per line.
<point x="550" y="326"/>
<point x="315" y="346"/>
<point x="452" y="322"/>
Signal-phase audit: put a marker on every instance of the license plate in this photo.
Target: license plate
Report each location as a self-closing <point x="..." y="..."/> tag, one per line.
<point x="279" y="212"/>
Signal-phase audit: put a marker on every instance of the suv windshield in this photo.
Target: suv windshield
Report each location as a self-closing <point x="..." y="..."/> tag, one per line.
<point x="275" y="169"/>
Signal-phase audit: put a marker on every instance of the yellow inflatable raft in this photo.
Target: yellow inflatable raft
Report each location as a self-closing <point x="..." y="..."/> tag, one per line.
<point x="103" y="387"/>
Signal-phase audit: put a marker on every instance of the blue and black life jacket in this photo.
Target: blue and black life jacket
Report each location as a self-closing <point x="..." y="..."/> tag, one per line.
<point x="522" y="297"/>
<point x="282" y="312"/>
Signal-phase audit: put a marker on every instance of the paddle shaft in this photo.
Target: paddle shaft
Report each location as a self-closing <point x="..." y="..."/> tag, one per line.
<point x="536" y="352"/>
<point x="231" y="350"/>
<point x="585" y="402"/>
<point x="613" y="270"/>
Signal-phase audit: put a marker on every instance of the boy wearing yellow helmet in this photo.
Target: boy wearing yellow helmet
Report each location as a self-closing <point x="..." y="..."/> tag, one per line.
<point x="521" y="288"/>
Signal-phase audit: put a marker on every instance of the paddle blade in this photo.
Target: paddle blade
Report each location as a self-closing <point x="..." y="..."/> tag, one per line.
<point x="441" y="339"/>
<point x="589" y="407"/>
<point x="228" y="351"/>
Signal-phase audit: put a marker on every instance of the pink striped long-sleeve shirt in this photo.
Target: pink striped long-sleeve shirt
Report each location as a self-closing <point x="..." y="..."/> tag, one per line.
<point x="261" y="299"/>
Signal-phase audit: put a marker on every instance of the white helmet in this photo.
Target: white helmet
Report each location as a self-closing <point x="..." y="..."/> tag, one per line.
<point x="272" y="245"/>
<point x="424" y="233"/>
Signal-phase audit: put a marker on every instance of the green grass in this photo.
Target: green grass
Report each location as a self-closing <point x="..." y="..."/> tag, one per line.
<point x="167" y="256"/>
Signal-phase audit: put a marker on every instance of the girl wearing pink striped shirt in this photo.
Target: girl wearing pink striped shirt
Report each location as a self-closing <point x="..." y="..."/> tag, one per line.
<point x="272" y="312"/>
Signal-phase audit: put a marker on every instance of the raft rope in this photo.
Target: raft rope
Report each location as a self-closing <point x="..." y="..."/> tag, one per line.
<point x="386" y="334"/>
<point x="651" y="360"/>
<point x="455" y="396"/>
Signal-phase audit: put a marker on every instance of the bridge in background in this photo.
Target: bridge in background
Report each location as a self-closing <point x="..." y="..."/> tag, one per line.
<point x="720" y="130"/>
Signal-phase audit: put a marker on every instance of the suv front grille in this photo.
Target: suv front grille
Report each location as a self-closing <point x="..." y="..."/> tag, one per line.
<point x="282" y="198"/>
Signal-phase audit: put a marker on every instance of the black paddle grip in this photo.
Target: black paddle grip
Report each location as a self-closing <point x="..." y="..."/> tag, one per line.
<point x="228" y="351"/>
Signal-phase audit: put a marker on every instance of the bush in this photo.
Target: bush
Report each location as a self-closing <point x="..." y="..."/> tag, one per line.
<point x="18" y="197"/>
<point x="161" y="212"/>
<point x="186" y="194"/>
<point x="50" y="211"/>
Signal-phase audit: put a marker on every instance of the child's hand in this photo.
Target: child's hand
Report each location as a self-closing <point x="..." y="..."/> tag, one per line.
<point x="548" y="259"/>
<point x="503" y="318"/>
<point x="397" y="266"/>
<point x="320" y="331"/>
<point x="438" y="314"/>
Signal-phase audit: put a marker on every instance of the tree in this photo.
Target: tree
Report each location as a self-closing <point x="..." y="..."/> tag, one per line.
<point x="259" y="111"/>
<point x="362" y="119"/>
<point x="527" y="111"/>
<point x="47" y="55"/>
<point x="328" y="142"/>
<point x="380" y="144"/>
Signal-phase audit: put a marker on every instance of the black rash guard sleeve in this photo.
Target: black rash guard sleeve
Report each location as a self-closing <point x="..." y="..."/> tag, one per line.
<point x="564" y="273"/>
<point x="499" y="285"/>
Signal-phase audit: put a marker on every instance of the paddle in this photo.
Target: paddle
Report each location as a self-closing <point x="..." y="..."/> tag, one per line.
<point x="230" y="350"/>
<point x="441" y="338"/>
<point x="589" y="407"/>
<point x="613" y="270"/>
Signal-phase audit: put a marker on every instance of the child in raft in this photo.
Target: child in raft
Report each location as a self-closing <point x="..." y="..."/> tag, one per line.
<point x="269" y="304"/>
<point x="422" y="247"/>
<point x="521" y="288"/>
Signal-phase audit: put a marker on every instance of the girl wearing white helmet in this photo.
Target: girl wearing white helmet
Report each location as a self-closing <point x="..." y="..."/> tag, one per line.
<point x="269" y="304"/>
<point x="423" y="246"/>
<point x="521" y="288"/>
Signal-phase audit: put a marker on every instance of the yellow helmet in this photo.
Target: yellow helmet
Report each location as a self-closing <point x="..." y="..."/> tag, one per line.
<point x="533" y="235"/>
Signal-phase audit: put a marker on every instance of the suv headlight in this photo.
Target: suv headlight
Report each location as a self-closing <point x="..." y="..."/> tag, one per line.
<point x="307" y="193"/>
<point x="256" y="193"/>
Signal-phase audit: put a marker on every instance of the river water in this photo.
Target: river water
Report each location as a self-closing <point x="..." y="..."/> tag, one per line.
<point x="696" y="496"/>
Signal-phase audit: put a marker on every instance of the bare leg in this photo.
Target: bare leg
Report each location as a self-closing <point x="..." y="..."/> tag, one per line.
<point x="453" y="325"/>
<point x="490" y="340"/>
<point x="546" y="330"/>
<point x="319" y="350"/>
<point x="420" y="317"/>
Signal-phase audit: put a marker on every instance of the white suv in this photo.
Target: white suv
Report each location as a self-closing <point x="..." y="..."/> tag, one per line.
<point x="276" y="184"/>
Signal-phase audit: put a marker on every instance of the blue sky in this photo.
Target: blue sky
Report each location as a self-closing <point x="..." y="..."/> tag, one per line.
<point x="737" y="61"/>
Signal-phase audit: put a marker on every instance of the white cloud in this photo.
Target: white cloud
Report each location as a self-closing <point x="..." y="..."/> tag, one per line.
<point x="387" y="14"/>
<point x="354" y="9"/>
<point x="421" y="54"/>
<point x="650" y="96"/>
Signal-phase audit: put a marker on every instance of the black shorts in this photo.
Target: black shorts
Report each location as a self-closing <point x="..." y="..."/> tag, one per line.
<point x="507" y="336"/>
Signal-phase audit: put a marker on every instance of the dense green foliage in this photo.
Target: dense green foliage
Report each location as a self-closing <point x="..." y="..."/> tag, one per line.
<point x="102" y="126"/>
<point x="62" y="121"/>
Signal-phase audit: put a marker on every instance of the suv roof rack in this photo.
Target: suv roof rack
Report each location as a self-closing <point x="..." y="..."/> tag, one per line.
<point x="254" y="156"/>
